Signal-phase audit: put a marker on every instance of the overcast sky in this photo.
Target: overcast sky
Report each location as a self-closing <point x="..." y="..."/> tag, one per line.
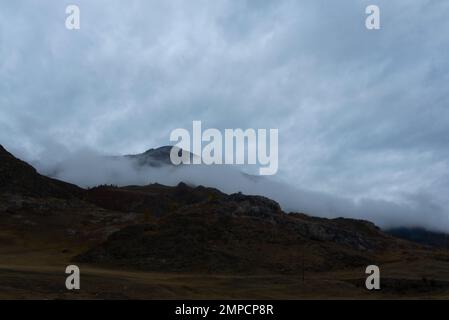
<point x="361" y="114"/>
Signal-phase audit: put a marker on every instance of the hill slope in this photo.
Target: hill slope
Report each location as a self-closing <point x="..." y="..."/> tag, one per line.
<point x="422" y="236"/>
<point x="18" y="177"/>
<point x="111" y="232"/>
<point x="219" y="233"/>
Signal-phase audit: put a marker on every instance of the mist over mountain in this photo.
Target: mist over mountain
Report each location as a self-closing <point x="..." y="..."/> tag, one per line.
<point x="183" y="231"/>
<point x="88" y="168"/>
<point x="423" y="236"/>
<point x="363" y="132"/>
<point x="361" y="119"/>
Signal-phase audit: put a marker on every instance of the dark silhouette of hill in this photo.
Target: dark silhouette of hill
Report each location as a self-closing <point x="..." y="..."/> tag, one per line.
<point x="154" y="199"/>
<point x="46" y="223"/>
<point x="422" y="236"/>
<point x="203" y="230"/>
<point x="17" y="176"/>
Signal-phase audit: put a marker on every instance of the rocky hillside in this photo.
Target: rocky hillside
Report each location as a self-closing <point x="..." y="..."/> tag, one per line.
<point x="183" y="228"/>
<point x="18" y="177"/>
<point x="154" y="199"/>
<point x="204" y="230"/>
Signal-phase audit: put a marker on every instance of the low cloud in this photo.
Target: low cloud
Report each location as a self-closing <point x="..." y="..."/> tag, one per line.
<point x="363" y="115"/>
<point x="88" y="168"/>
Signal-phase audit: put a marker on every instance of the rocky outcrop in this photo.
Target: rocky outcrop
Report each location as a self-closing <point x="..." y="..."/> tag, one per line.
<point x="240" y="234"/>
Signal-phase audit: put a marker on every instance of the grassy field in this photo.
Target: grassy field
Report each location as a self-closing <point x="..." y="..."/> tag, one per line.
<point x="32" y="266"/>
<point x="38" y="273"/>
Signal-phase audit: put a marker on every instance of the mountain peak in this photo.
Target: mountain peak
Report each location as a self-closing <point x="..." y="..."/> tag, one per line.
<point x="163" y="149"/>
<point x="155" y="157"/>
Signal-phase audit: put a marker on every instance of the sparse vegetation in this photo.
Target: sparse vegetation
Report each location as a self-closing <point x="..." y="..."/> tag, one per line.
<point x="242" y="246"/>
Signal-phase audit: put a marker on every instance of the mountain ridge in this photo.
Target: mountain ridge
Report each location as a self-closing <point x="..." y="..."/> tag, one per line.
<point x="187" y="230"/>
